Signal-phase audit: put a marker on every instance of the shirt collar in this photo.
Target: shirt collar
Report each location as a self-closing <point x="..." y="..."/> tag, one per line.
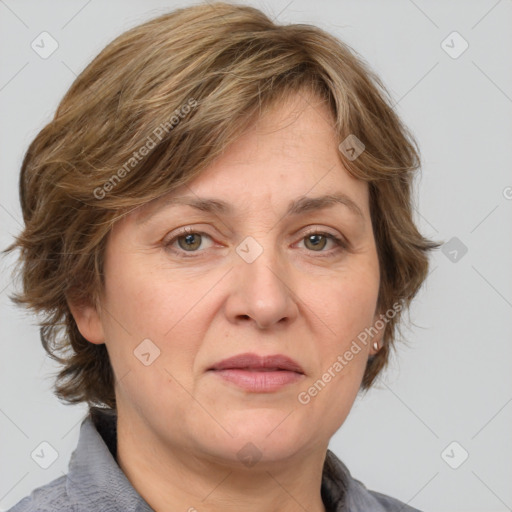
<point x="94" y="475"/>
<point x="93" y="469"/>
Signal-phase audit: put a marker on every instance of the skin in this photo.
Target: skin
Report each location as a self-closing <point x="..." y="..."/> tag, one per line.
<point x="180" y="427"/>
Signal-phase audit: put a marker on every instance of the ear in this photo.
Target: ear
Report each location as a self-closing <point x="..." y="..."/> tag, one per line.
<point x="88" y="322"/>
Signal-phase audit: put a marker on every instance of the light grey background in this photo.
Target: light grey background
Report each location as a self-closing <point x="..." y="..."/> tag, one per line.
<point x="452" y="382"/>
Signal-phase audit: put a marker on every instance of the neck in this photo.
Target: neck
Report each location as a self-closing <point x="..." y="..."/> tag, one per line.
<point x="174" y="479"/>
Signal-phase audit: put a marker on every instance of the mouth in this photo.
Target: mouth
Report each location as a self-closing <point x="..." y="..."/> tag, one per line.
<point x="259" y="374"/>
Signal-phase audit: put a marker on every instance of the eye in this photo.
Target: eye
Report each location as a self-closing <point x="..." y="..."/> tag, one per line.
<point x="316" y="241"/>
<point x="187" y="240"/>
<point x="192" y="242"/>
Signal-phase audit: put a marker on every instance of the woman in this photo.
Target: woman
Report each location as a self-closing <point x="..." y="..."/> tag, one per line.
<point x="218" y="224"/>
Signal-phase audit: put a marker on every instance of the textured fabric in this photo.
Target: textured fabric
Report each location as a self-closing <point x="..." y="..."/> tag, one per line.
<point x="95" y="482"/>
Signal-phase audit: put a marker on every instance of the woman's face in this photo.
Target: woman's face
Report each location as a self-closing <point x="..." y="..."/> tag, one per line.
<point x="252" y="275"/>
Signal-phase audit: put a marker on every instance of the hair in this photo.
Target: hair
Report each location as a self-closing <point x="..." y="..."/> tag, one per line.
<point x="184" y="86"/>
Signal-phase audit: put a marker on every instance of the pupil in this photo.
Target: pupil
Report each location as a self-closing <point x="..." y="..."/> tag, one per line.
<point x="316" y="240"/>
<point x="187" y="242"/>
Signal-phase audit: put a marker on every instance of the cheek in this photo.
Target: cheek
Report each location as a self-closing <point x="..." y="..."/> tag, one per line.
<point x="153" y="303"/>
<point x="345" y="304"/>
<point x="146" y="304"/>
<point x="346" y="309"/>
<point x="151" y="299"/>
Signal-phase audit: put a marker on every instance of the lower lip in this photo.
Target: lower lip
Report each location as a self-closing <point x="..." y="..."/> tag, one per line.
<point x="259" y="382"/>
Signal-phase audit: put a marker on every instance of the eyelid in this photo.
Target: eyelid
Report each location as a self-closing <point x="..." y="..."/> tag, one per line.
<point x="186" y="230"/>
<point x="321" y="231"/>
<point x="339" y="240"/>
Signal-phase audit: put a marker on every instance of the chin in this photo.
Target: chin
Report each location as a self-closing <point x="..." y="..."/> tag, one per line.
<point x="262" y="453"/>
<point x="261" y="436"/>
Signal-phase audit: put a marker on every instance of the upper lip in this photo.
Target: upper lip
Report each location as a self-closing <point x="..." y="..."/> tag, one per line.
<point x="254" y="362"/>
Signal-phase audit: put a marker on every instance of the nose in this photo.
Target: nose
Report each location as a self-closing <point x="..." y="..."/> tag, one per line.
<point x="261" y="291"/>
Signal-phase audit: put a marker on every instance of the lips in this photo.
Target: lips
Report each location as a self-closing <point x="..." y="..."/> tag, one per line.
<point x="258" y="374"/>
<point x="253" y="362"/>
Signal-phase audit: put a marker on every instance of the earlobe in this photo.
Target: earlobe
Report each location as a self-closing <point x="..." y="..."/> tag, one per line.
<point x="88" y="322"/>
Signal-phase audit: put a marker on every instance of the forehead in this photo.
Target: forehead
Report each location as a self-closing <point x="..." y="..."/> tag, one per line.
<point x="288" y="154"/>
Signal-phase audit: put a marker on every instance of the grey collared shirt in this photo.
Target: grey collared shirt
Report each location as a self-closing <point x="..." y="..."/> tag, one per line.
<point x="95" y="482"/>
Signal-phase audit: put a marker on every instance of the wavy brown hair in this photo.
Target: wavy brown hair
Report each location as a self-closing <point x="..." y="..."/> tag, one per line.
<point x="231" y="63"/>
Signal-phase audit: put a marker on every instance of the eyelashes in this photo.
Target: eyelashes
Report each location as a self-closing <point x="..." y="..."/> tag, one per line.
<point x="338" y="242"/>
<point x="188" y="238"/>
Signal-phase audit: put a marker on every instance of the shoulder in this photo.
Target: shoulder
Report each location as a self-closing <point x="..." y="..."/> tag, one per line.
<point x="349" y="494"/>
<point x="94" y="480"/>
<point x="386" y="503"/>
<point x="51" y="497"/>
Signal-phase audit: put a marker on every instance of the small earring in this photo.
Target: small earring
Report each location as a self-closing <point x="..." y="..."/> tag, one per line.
<point x="375" y="346"/>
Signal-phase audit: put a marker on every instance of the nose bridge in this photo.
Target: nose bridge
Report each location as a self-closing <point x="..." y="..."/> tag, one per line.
<point x="261" y="290"/>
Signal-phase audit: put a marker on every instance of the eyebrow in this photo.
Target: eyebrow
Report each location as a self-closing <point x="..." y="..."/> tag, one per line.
<point x="298" y="206"/>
